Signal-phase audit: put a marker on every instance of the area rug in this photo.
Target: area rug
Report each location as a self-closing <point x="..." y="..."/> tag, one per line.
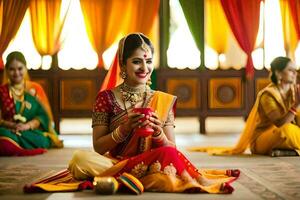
<point x="278" y="180"/>
<point x="272" y="181"/>
<point x="14" y="177"/>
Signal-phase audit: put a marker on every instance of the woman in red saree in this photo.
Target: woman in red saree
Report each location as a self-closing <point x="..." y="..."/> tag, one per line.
<point x="153" y="159"/>
<point x="143" y="145"/>
<point x="26" y="125"/>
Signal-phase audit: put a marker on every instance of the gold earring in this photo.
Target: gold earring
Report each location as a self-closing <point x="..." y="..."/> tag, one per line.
<point x="123" y="75"/>
<point x="279" y="81"/>
<point x="149" y="82"/>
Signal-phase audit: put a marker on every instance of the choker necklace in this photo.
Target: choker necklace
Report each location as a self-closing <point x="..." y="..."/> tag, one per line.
<point x="17" y="91"/>
<point x="133" y="95"/>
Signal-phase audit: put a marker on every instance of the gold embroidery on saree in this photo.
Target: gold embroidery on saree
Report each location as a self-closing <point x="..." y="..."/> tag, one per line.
<point x="170" y="170"/>
<point x="100" y="118"/>
<point x="155" y="167"/>
<point x="139" y="170"/>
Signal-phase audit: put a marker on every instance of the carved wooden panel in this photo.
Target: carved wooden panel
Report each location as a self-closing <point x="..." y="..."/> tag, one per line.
<point x="261" y="83"/>
<point x="186" y="90"/>
<point x="225" y="93"/>
<point x="77" y="94"/>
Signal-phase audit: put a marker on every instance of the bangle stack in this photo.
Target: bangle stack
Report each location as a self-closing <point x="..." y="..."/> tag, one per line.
<point x="293" y="110"/>
<point x="118" y="136"/>
<point x="159" y="138"/>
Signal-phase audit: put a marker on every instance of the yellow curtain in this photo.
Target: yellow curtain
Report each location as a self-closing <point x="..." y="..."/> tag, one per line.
<point x="104" y="21"/>
<point x="11" y="15"/>
<point x="46" y="25"/>
<point x="289" y="31"/>
<point x="216" y="26"/>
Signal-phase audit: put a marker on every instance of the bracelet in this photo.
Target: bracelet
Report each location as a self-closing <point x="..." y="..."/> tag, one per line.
<point x="1" y="122"/>
<point x="158" y="138"/>
<point x="117" y="136"/>
<point x="157" y="134"/>
<point x="293" y="110"/>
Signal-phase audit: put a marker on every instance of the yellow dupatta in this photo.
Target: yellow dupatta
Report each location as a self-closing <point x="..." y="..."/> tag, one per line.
<point x="249" y="135"/>
<point x="161" y="103"/>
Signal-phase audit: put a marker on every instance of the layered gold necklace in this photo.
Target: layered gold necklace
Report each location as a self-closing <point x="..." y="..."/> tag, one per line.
<point x="133" y="95"/>
<point x="17" y="91"/>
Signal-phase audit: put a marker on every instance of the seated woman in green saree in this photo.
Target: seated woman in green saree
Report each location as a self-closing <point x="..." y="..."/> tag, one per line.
<point x="26" y="126"/>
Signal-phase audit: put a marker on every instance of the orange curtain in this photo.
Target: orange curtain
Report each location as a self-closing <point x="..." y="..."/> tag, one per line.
<point x="46" y="25"/>
<point x="138" y="16"/>
<point x="104" y="21"/>
<point x="12" y="13"/>
<point x="295" y="12"/>
<point x="1" y="14"/>
<point x="216" y="36"/>
<point x="289" y="31"/>
<point x="142" y="16"/>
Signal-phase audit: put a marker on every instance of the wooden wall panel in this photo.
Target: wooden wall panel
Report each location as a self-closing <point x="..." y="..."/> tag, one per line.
<point x="225" y="93"/>
<point x="201" y="93"/>
<point x="186" y="90"/>
<point x="261" y="83"/>
<point x="77" y="94"/>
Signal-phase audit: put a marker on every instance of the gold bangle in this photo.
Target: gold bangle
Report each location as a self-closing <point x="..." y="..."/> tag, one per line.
<point x="117" y="136"/>
<point x="157" y="134"/>
<point x="112" y="136"/>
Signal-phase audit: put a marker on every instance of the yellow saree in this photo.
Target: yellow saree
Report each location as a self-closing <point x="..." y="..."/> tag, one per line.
<point x="260" y="134"/>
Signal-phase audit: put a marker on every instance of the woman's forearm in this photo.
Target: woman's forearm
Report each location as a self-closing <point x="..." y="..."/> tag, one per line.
<point x="104" y="144"/>
<point x="7" y="124"/>
<point x="109" y="141"/>
<point x="287" y="118"/>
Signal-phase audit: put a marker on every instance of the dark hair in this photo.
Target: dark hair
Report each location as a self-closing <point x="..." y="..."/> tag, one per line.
<point x="133" y="42"/>
<point x="15" y="55"/>
<point x="278" y="64"/>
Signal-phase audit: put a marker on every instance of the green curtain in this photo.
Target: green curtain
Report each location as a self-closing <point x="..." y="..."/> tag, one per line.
<point x="153" y="86"/>
<point x="194" y="13"/>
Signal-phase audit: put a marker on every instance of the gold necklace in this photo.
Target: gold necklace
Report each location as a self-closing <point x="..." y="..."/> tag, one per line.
<point x="133" y="95"/>
<point x="17" y="91"/>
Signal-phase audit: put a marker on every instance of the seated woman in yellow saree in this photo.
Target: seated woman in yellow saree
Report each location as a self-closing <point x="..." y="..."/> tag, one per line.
<point x="26" y="126"/>
<point x="273" y="123"/>
<point x="122" y="140"/>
